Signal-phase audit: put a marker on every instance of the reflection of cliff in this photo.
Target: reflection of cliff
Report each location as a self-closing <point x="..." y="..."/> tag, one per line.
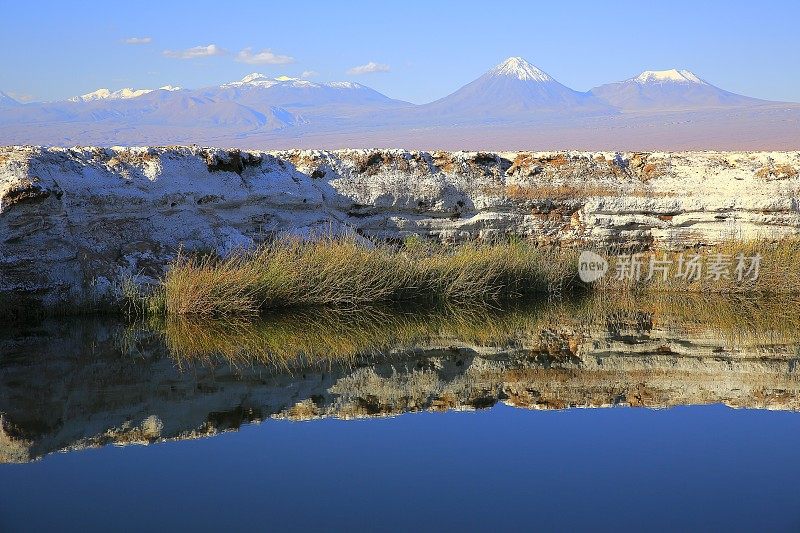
<point x="70" y="384"/>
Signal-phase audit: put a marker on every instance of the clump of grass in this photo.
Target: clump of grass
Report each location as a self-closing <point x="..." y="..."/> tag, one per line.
<point x="344" y="272"/>
<point x="207" y="286"/>
<point x="329" y="271"/>
<point x="778" y="271"/>
<point x="348" y="273"/>
<point x="479" y="272"/>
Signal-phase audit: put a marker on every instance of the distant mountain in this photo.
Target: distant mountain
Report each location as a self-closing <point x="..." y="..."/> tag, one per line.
<point x="513" y="105"/>
<point x="122" y="94"/>
<point x="7" y="101"/>
<point x="513" y="90"/>
<point x="160" y="107"/>
<point x="254" y="103"/>
<point x="311" y="99"/>
<point x="668" y="90"/>
<point x="181" y="108"/>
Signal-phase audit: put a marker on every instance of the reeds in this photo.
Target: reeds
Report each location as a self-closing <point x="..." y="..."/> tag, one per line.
<point x="348" y="273"/>
<point x="344" y="272"/>
<point x="778" y="271"/>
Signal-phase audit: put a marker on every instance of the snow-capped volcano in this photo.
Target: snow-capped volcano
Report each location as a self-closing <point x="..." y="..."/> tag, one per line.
<point x="512" y="100"/>
<point x="516" y="67"/>
<point x="513" y="90"/>
<point x="122" y="94"/>
<point x="668" y="90"/>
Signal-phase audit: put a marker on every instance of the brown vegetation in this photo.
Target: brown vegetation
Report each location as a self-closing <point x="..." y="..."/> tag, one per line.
<point x="777" y="172"/>
<point x="567" y="192"/>
<point x="344" y="272"/>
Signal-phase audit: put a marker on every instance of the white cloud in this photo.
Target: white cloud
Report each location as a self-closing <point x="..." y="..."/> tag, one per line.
<point x="308" y="74"/>
<point x="264" y="57"/>
<point x="195" y="52"/>
<point x="138" y="40"/>
<point x="368" y="68"/>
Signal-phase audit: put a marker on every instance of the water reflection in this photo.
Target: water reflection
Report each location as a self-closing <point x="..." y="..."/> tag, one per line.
<point x="76" y="383"/>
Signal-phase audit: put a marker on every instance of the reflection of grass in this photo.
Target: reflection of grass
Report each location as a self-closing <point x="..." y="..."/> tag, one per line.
<point x="735" y="317"/>
<point x="291" y="338"/>
<point x="330" y="334"/>
<point x="343" y="272"/>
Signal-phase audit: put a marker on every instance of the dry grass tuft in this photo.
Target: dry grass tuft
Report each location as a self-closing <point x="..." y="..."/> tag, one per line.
<point x="343" y="272"/>
<point x="346" y="273"/>
<point x="778" y="271"/>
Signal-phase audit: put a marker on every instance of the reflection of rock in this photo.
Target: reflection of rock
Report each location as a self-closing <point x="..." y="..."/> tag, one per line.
<point x="68" y="385"/>
<point x="75" y="221"/>
<point x="12" y="450"/>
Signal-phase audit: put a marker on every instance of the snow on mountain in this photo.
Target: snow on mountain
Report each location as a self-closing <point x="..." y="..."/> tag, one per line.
<point x="668" y="90"/>
<point x="256" y="102"/>
<point x="257" y="80"/>
<point x="515" y="96"/>
<point x="7" y="101"/>
<point x="346" y="85"/>
<point x="251" y="80"/>
<point x="333" y="100"/>
<point x="105" y="94"/>
<point x="122" y="94"/>
<point x="513" y="90"/>
<point x="517" y="67"/>
<point x="668" y="76"/>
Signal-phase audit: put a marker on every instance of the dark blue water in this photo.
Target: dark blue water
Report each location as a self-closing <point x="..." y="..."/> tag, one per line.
<point x="600" y="469"/>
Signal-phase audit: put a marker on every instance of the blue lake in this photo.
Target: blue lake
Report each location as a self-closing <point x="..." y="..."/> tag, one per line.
<point x="648" y="418"/>
<point x="682" y="468"/>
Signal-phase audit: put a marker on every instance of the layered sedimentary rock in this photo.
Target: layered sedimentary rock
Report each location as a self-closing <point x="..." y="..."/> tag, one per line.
<point x="75" y="384"/>
<point x="74" y="222"/>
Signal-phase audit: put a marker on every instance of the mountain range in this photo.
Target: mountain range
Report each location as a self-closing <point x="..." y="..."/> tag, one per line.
<point x="514" y="90"/>
<point x="514" y="102"/>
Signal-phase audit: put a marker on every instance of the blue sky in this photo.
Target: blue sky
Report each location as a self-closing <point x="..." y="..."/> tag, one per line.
<point x="59" y="49"/>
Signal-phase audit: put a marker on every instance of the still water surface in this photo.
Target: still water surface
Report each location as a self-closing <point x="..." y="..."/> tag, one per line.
<point x="638" y="416"/>
<point x="627" y="468"/>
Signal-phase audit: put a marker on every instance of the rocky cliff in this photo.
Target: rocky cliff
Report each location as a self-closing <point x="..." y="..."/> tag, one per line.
<point x="73" y="222"/>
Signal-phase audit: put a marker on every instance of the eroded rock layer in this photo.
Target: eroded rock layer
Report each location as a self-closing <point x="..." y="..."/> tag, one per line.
<point x="73" y="222"/>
